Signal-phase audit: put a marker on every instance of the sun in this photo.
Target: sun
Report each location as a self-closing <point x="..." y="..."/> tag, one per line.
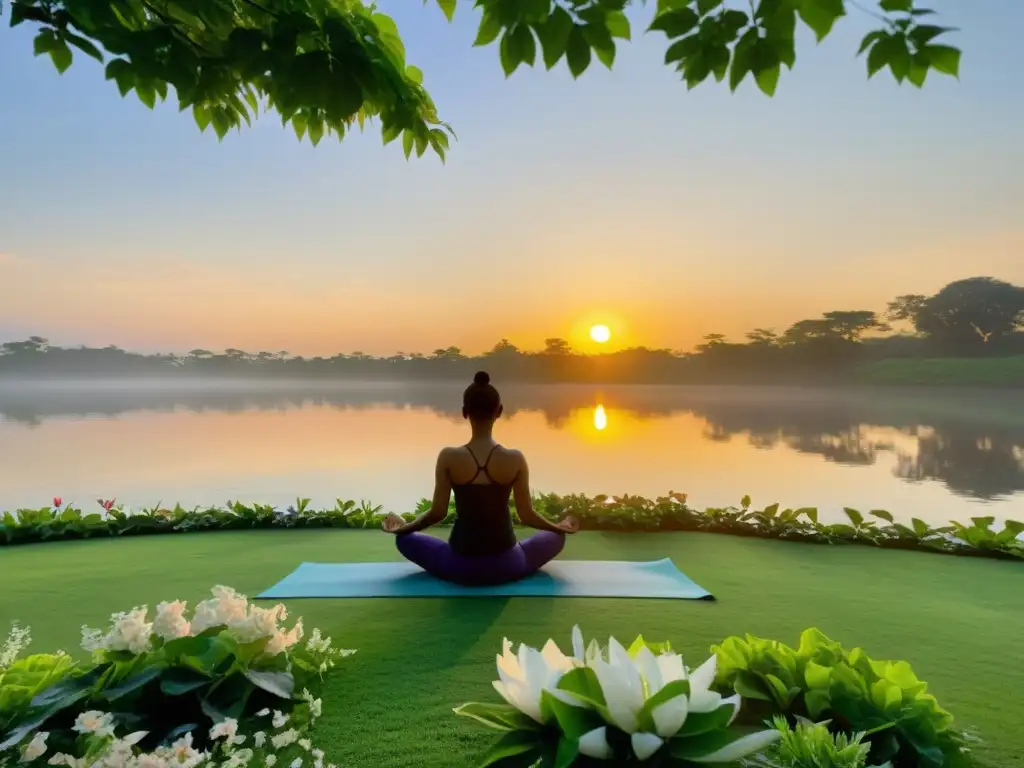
<point x="600" y="333"/>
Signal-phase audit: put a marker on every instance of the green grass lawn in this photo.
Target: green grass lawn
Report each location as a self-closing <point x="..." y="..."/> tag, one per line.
<point x="959" y="621"/>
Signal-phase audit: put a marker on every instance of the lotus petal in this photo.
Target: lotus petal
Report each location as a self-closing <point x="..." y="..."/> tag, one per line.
<point x="746" y="745"/>
<point x="645" y="744"/>
<point x="578" y="649"/>
<point x="670" y="716"/>
<point x="671" y="667"/>
<point x="703" y="677"/>
<point x="595" y="744"/>
<point x="621" y="702"/>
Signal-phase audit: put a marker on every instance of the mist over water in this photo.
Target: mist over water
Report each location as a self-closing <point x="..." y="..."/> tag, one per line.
<point x="937" y="455"/>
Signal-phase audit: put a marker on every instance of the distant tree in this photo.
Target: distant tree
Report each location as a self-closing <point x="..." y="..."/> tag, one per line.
<point x="970" y="314"/>
<point x="804" y="331"/>
<point x="556" y="346"/>
<point x="504" y="349"/>
<point x="449" y="354"/>
<point x="906" y="308"/>
<point x="763" y="337"/>
<point x="33" y="345"/>
<point x="711" y="340"/>
<point x="852" y="324"/>
<point x="200" y="354"/>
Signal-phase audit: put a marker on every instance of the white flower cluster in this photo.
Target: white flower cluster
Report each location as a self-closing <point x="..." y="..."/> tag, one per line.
<point x="282" y="745"/>
<point x="133" y="632"/>
<point x="627" y="681"/>
<point x="16" y="642"/>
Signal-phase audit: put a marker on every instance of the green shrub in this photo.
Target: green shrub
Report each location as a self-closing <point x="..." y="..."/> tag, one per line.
<point x="608" y="513"/>
<point x="820" y="680"/>
<point x="170" y="677"/>
<point x="812" y="745"/>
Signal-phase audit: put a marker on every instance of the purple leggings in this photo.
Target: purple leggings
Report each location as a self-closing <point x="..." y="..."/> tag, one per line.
<point x="435" y="556"/>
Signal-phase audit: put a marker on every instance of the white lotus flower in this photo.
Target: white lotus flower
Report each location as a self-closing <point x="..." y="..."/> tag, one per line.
<point x="702" y="698"/>
<point x="524" y="676"/>
<point x="742" y="747"/>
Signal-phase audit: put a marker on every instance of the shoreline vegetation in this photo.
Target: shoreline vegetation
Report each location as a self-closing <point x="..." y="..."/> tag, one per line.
<point x="626" y="514"/>
<point x="969" y="334"/>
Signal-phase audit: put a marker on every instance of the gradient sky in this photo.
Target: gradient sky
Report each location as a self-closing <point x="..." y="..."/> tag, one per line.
<point x="618" y="198"/>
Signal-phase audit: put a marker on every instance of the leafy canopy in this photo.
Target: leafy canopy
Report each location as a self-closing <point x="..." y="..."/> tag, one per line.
<point x="326" y="65"/>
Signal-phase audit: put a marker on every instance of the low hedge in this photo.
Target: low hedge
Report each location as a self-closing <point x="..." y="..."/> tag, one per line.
<point x="602" y="513"/>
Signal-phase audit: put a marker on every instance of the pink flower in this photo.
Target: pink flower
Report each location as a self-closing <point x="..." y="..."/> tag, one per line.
<point x="107" y="504"/>
<point x="57" y="501"/>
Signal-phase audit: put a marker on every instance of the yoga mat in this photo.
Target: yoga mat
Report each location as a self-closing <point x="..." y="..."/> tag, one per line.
<point x="565" y="578"/>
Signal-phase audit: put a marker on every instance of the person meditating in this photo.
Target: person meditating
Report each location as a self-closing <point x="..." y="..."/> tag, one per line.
<point x="482" y="549"/>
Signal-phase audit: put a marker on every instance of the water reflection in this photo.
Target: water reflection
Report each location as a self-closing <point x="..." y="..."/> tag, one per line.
<point x="918" y="451"/>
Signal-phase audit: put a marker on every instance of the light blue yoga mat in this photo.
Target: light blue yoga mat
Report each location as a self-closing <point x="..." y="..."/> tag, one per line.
<point x="565" y="578"/>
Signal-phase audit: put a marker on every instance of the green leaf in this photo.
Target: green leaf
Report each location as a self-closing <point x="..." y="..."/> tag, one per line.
<point x="672" y="690"/>
<point x="315" y="130"/>
<point x="146" y="93"/>
<point x="517" y="47"/>
<point x="61" y="56"/>
<point x="704" y="7"/>
<point x="512" y="744"/>
<point x="577" y="52"/>
<point x="133" y="683"/>
<point x="896" y="6"/>
<point x="178" y="682"/>
<point x="821" y="15"/>
<point x="697" y="723"/>
<point x="922" y="34"/>
<point x="84" y="45"/>
<point x="573" y="721"/>
<point x="676" y="22"/>
<point x="742" y="65"/>
<point x="500" y="717"/>
<point x="696" y="747"/>
<point x="554" y="35"/>
<point x="601" y="42"/>
<point x="943" y="58"/>
<point x="618" y="25"/>
<point x="407" y="142"/>
<point x="856" y="517"/>
<point x="567" y="753"/>
<point x="448" y="7"/>
<point x="748" y="686"/>
<point x="882" y="514"/>
<point x="767" y="74"/>
<point x="582" y="683"/>
<point x="489" y="30"/>
<point x="683" y="49"/>
<point x="281" y="684"/>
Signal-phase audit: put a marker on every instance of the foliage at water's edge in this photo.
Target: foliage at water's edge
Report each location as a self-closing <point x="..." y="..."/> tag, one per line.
<point x="602" y="513"/>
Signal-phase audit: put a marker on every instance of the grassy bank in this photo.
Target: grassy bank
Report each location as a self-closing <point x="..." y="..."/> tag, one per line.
<point x="956" y="620"/>
<point x="949" y="372"/>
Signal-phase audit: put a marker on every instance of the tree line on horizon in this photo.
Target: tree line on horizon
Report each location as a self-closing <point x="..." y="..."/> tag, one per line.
<point x="974" y="317"/>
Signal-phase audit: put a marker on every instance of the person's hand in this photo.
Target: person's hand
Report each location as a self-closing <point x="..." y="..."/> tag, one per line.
<point x="392" y="523"/>
<point x="569" y="525"/>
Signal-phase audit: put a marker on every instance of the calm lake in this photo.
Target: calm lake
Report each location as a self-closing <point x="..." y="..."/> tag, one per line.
<point x="937" y="455"/>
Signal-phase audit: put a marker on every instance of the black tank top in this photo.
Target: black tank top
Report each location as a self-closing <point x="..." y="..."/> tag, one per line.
<point x="483" y="523"/>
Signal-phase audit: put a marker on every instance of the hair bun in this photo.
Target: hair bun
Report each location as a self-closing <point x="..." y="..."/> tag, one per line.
<point x="482" y="378"/>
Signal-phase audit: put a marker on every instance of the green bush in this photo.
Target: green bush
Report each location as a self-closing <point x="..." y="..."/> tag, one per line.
<point x="168" y="677"/>
<point x="604" y="513"/>
<point x="812" y="745"/>
<point x="819" y="680"/>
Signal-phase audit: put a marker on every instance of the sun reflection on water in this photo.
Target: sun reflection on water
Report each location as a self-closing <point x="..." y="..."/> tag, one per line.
<point x="600" y="418"/>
